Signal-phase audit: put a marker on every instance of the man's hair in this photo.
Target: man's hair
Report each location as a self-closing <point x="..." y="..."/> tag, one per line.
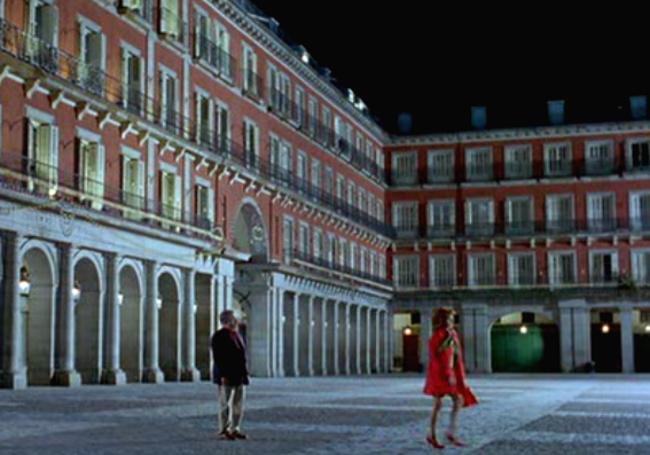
<point x="226" y="316"/>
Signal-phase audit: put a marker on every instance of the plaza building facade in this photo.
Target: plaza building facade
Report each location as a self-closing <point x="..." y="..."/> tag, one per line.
<point x="164" y="160"/>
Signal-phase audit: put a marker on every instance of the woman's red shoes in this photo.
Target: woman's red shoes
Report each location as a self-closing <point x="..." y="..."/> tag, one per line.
<point x="454" y="440"/>
<point x="434" y="443"/>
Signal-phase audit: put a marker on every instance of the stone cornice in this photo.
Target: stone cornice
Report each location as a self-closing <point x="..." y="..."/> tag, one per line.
<point x="283" y="52"/>
<point x="519" y="134"/>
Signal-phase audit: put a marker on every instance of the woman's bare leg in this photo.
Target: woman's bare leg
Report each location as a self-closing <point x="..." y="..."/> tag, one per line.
<point x="455" y="411"/>
<point x="437" y="405"/>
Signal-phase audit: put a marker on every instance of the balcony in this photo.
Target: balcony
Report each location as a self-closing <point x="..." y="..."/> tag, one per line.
<point x="252" y="85"/>
<point x="216" y="58"/>
<point x="327" y="266"/>
<point x="479" y="229"/>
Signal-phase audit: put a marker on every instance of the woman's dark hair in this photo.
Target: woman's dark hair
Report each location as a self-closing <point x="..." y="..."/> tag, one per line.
<point x="441" y="317"/>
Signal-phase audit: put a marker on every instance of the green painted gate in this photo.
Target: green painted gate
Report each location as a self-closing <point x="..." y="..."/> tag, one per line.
<point x="537" y="351"/>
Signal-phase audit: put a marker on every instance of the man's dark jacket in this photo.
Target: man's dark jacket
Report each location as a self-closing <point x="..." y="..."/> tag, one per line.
<point x="229" y="356"/>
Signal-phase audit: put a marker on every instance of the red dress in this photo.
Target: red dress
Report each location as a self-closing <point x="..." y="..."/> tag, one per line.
<point x="446" y="370"/>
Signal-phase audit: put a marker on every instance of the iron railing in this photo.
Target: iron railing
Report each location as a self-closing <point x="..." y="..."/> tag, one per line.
<point x="297" y="254"/>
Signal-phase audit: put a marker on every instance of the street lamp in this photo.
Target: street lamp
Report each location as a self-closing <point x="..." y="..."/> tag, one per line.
<point x="120" y="299"/>
<point x="24" y="285"/>
<point x="76" y="290"/>
<point x="408" y="331"/>
<point x="523" y="330"/>
<point x="605" y="328"/>
<point x="159" y="302"/>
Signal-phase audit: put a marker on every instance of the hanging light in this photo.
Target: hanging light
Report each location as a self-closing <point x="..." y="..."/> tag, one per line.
<point x="523" y="330"/>
<point x="605" y="328"/>
<point x="408" y="331"/>
<point x="76" y="290"/>
<point x="24" y="285"/>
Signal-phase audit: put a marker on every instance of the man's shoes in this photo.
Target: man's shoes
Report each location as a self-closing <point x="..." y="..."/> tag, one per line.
<point x="238" y="435"/>
<point x="225" y="436"/>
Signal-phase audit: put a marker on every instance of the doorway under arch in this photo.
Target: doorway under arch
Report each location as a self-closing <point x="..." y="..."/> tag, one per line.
<point x="249" y="233"/>
<point x="88" y="311"/>
<point x="169" y="327"/>
<point x="131" y="333"/>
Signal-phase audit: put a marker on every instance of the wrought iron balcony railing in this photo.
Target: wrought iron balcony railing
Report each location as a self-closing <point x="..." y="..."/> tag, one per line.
<point x="297" y="254"/>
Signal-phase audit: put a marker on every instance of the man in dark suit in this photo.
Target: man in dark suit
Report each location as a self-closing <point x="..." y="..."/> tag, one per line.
<point x="230" y="373"/>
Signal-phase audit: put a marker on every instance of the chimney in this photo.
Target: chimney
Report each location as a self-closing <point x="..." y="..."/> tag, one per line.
<point x="404" y="123"/>
<point x="556" y="112"/>
<point x="639" y="107"/>
<point x="479" y="117"/>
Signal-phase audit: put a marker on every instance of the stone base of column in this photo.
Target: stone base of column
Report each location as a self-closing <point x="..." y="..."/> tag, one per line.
<point x="114" y="377"/>
<point x="153" y="376"/>
<point x="66" y="379"/>
<point x="13" y="381"/>
<point x="191" y="375"/>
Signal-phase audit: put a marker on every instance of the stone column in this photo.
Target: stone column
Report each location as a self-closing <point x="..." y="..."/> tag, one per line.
<point x="261" y="333"/>
<point x="626" y="314"/>
<point x="190" y="372"/>
<point x="14" y="368"/>
<point x="152" y="372"/>
<point x="368" y="365"/>
<point x="390" y="343"/>
<point x="280" y="332"/>
<point x="357" y="348"/>
<point x="476" y="337"/>
<point x="65" y="373"/>
<point x="324" y="326"/>
<point x="295" y="352"/>
<point x="228" y="291"/>
<point x="426" y="330"/>
<point x="575" y="334"/>
<point x="113" y="373"/>
<point x="310" y="336"/>
<point x="378" y="341"/>
<point x="335" y="336"/>
<point x="348" y="327"/>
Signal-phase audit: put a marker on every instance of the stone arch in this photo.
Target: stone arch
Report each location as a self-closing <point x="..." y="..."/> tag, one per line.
<point x="169" y="289"/>
<point x="89" y="315"/>
<point x="39" y="311"/>
<point x="520" y="346"/>
<point x="249" y="231"/>
<point x="131" y="317"/>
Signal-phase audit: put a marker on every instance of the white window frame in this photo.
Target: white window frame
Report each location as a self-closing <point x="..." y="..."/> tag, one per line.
<point x="512" y="269"/>
<point x="397" y="260"/>
<point x="404" y="175"/>
<point x="472" y="172"/>
<point x="432" y="228"/>
<point x="472" y="281"/>
<point x="410" y="229"/>
<point x="444" y="154"/>
<point x="432" y="274"/>
<point x="552" y="274"/>
<point x="591" y="165"/>
<point x="615" y="264"/>
<point x="548" y="172"/>
<point x="518" y="171"/>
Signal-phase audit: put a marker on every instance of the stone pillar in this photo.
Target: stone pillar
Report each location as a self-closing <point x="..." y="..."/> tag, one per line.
<point x="113" y="373"/>
<point x="348" y="328"/>
<point x="261" y="333"/>
<point x="325" y="328"/>
<point x="476" y="337"/>
<point x="310" y="336"/>
<point x="390" y="343"/>
<point x="190" y="372"/>
<point x="65" y="373"/>
<point x="220" y="296"/>
<point x="295" y="335"/>
<point x="575" y="334"/>
<point x="335" y="336"/>
<point x="357" y="366"/>
<point x="14" y="367"/>
<point x="152" y="372"/>
<point x="280" y="332"/>
<point x="426" y="330"/>
<point x="367" y="364"/>
<point x="228" y="291"/>
<point x="377" y="341"/>
<point x="626" y="314"/>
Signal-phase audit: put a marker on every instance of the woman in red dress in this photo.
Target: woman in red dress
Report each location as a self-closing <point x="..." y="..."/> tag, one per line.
<point x="446" y="375"/>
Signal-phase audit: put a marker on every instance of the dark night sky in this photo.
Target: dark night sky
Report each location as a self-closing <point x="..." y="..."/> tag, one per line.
<point x="436" y="60"/>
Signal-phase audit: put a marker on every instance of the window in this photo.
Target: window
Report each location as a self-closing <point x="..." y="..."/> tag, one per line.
<point x="132" y="181"/>
<point x="339" y="135"/>
<point x="90" y="155"/>
<point x="43" y="38"/>
<point x="299" y="108"/>
<point x="204" y="119"/>
<point x="599" y="157"/>
<point x="223" y="59"/>
<point x="222" y="120"/>
<point x="318" y="244"/>
<point x="405" y="219"/>
<point x="168" y="111"/>
<point x="279" y="92"/>
<point x="380" y="211"/>
<point x="478" y="165"/>
<point x="132" y="81"/>
<point x="559" y="213"/>
<point x="343" y="253"/>
<point x="442" y="271"/>
<point x="352" y="194"/>
<point x="640" y="211"/>
<point x="521" y="269"/>
<point x="326" y="128"/>
<point x="601" y="209"/>
<point x="287" y="233"/>
<point x="363" y="207"/>
<point x="562" y="268"/>
<point x="140" y="7"/>
<point x="330" y="248"/>
<point x="641" y="266"/>
<point x="479" y="217"/>
<point x="372" y="206"/>
<point x="302" y="175"/>
<point x="353" y="256"/>
<point x="481" y="269"/>
<point x="441" y="217"/>
<point x="519" y="162"/>
<point x="519" y="215"/>
<point x="557" y="160"/>
<point x="303" y="238"/>
<point x="328" y="182"/>
<point x="440" y="166"/>
<point x="406" y="270"/>
<point x="315" y="175"/>
<point x="92" y="53"/>
<point x="43" y="156"/>
<point x="203" y="47"/>
<point x="251" y="143"/>
<point x="205" y="205"/>
<point x="404" y="168"/>
<point x="170" y="195"/>
<point x="250" y="72"/>
<point x="638" y="155"/>
<point x="363" y="259"/>
<point x="170" y="21"/>
<point x="603" y="266"/>
<point x="340" y="189"/>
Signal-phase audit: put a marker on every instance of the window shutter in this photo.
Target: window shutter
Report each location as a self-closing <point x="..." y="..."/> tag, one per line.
<point x="100" y="174"/>
<point x="139" y="167"/>
<point x="178" y="203"/>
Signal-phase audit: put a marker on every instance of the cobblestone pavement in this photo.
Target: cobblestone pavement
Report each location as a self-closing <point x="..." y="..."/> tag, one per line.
<point x="347" y="415"/>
